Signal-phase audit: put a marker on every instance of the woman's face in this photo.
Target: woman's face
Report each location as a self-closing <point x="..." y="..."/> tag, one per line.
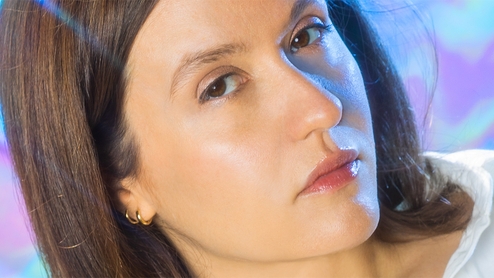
<point x="236" y="107"/>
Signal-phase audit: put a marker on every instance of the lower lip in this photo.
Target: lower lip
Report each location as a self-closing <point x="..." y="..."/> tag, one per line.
<point x="334" y="180"/>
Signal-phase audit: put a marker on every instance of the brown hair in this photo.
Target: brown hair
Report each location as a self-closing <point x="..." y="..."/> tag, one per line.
<point x="62" y="97"/>
<point x="62" y="90"/>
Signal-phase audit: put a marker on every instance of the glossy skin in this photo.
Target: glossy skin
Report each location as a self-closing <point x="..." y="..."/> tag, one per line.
<point x="222" y="176"/>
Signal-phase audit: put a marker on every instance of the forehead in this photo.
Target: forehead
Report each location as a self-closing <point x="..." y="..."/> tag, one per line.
<point x="226" y="13"/>
<point x="176" y="27"/>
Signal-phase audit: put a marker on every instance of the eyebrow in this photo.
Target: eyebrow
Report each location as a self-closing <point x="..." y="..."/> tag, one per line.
<point x="192" y="61"/>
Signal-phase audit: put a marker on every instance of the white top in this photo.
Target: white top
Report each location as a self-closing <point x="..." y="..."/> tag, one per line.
<point x="474" y="171"/>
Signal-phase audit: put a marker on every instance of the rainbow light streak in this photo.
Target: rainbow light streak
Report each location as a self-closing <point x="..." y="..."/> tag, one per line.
<point x="80" y="31"/>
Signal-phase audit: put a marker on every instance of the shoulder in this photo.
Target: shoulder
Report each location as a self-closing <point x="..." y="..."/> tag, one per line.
<point x="473" y="170"/>
<point x="469" y="159"/>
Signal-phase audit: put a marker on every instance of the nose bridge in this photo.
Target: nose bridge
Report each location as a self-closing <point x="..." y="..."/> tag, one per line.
<point x="309" y="105"/>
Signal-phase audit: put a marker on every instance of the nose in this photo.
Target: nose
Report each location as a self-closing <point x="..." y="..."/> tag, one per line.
<point x="311" y="108"/>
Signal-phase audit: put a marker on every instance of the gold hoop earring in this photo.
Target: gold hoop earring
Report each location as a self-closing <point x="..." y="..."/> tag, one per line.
<point x="143" y="222"/>
<point x="132" y="221"/>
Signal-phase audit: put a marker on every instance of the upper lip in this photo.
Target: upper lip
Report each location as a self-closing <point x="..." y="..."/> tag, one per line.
<point x="330" y="163"/>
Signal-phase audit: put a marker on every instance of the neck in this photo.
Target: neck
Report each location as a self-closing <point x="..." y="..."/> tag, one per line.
<point x="370" y="259"/>
<point x="373" y="258"/>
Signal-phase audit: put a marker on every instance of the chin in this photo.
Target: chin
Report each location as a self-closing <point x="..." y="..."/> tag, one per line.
<point x="346" y="225"/>
<point x="351" y="233"/>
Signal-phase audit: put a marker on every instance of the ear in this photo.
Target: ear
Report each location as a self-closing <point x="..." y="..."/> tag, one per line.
<point x="134" y="199"/>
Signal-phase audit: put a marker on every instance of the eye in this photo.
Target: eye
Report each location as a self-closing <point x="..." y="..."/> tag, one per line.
<point x="222" y="86"/>
<point x="307" y="36"/>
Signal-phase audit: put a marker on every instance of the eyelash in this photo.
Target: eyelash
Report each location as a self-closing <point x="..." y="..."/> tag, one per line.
<point x="323" y="29"/>
<point x="204" y="97"/>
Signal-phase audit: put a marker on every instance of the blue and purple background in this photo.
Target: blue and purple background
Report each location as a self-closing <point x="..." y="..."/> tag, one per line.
<point x="459" y="116"/>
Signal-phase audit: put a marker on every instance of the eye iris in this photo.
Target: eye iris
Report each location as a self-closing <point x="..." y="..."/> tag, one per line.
<point x="301" y="40"/>
<point x="305" y="38"/>
<point x="218" y="88"/>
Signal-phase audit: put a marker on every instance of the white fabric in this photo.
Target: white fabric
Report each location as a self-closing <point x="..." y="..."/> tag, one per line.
<point x="474" y="171"/>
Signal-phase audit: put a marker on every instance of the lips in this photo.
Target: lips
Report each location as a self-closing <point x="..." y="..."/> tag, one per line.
<point x="333" y="173"/>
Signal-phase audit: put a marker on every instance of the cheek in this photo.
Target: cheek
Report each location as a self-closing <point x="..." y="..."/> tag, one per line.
<point x="215" y="181"/>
